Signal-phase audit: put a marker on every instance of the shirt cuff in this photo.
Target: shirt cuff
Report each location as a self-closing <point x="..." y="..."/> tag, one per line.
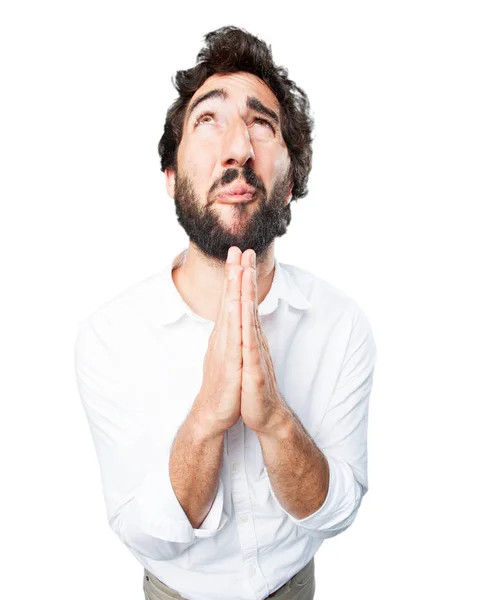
<point x="215" y="519"/>
<point x="340" y="507"/>
<point x="156" y="511"/>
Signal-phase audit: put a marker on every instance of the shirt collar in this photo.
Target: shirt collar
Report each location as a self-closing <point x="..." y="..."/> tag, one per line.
<point x="283" y="287"/>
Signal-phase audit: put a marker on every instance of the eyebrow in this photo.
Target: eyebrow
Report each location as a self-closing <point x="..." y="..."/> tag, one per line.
<point x="255" y="104"/>
<point x="252" y="103"/>
<point x="217" y="93"/>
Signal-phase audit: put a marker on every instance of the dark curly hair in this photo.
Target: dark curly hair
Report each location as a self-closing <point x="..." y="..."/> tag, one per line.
<point x="228" y="50"/>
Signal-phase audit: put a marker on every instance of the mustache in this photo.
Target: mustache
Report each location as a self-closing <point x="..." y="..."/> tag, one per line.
<point x="245" y="173"/>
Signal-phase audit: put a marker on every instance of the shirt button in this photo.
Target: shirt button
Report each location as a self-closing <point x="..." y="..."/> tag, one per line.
<point x="243" y="519"/>
<point x="251" y="571"/>
<point x="235" y="466"/>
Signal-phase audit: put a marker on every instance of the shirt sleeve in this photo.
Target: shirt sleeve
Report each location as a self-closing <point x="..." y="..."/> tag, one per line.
<point x="142" y="508"/>
<point x="342" y="437"/>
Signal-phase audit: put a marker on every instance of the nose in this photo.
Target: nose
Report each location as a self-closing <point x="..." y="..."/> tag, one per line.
<point x="237" y="148"/>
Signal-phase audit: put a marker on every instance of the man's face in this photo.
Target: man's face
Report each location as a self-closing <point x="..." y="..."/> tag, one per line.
<point x="232" y="142"/>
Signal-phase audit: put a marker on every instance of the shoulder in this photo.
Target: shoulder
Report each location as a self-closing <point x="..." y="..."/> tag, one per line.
<point x="334" y="315"/>
<point x="125" y="317"/>
<point x="327" y="300"/>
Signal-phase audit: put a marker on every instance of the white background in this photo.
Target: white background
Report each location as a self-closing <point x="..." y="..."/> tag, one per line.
<point x="399" y="216"/>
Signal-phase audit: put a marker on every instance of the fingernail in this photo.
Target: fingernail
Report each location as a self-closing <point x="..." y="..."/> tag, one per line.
<point x="231" y="274"/>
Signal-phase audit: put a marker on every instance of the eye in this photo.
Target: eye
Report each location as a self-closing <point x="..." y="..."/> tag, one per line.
<point x="202" y="117"/>
<point x="264" y="122"/>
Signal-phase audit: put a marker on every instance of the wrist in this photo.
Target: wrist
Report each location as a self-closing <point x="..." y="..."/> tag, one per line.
<point x="203" y="427"/>
<point x="279" y="425"/>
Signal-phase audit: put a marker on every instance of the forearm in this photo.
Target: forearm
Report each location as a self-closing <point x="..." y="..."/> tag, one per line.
<point x="195" y="463"/>
<point x="299" y="472"/>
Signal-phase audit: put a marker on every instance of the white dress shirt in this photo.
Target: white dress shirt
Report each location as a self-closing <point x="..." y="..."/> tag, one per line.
<point x="139" y="367"/>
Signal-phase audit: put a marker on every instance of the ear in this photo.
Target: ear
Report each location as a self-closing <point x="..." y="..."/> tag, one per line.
<point x="170" y="182"/>
<point x="289" y="195"/>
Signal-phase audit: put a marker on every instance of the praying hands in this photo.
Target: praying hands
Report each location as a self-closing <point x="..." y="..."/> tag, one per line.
<point x="238" y="372"/>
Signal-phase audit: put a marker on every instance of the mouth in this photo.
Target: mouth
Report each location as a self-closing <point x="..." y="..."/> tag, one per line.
<point x="236" y="198"/>
<point x="236" y="193"/>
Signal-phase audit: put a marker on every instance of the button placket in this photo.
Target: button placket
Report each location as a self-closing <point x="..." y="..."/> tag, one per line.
<point x="242" y="507"/>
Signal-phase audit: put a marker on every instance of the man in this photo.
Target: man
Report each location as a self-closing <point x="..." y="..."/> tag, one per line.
<point x="228" y="395"/>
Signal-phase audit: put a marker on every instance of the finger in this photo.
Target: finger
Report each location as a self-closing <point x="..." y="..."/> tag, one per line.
<point x="251" y="357"/>
<point x="233" y="333"/>
<point x="252" y="291"/>
<point x="233" y="258"/>
<point x="251" y="339"/>
<point x="248" y="259"/>
<point x="250" y="286"/>
<point x="233" y="295"/>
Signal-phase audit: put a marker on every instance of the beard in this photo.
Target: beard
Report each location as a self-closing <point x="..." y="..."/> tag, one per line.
<point x="255" y="230"/>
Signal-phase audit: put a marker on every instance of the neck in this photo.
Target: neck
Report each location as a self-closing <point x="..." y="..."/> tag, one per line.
<point x="199" y="280"/>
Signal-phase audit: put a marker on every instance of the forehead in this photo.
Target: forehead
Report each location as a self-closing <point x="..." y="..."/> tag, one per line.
<point x="239" y="86"/>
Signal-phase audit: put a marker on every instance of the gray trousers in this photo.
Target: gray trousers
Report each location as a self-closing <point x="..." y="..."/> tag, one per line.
<point x="299" y="587"/>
